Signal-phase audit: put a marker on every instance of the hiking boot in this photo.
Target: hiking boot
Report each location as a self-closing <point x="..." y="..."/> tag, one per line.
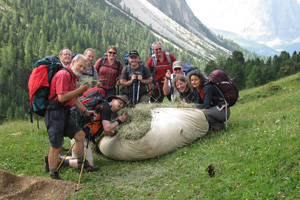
<point x="55" y="176"/>
<point x="93" y="169"/>
<point x="87" y="167"/>
<point x="46" y="165"/>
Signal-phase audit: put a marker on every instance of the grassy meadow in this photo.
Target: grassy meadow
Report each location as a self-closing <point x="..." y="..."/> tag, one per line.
<point x="257" y="157"/>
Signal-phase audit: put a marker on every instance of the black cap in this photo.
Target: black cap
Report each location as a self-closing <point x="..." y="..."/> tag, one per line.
<point x="134" y="53"/>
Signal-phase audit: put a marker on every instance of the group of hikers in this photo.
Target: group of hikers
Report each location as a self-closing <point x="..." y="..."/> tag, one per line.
<point x="163" y="76"/>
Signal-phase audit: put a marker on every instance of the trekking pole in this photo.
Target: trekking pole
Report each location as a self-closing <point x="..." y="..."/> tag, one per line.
<point x="84" y="157"/>
<point x="170" y="84"/>
<point x="65" y="156"/>
<point x="225" y="105"/>
<point x="138" y="91"/>
<point x="226" y="112"/>
<point x="159" y="92"/>
<point x="133" y="92"/>
<point x="82" y="166"/>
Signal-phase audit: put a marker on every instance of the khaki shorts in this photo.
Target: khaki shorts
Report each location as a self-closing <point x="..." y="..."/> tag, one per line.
<point x="89" y="154"/>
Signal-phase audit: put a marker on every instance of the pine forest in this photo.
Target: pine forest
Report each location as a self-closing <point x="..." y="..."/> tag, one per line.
<point x="31" y="30"/>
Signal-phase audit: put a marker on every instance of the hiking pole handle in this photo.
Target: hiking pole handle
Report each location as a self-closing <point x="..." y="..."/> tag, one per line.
<point x="84" y="157"/>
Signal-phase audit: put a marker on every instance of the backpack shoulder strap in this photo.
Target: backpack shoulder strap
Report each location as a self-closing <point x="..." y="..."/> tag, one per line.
<point x="223" y="97"/>
<point x="93" y="71"/>
<point x="118" y="66"/>
<point x="154" y="62"/>
<point x="143" y="69"/>
<point x="101" y="63"/>
<point x="69" y="73"/>
<point x="168" y="58"/>
<point x="128" y="70"/>
<point x="70" y="82"/>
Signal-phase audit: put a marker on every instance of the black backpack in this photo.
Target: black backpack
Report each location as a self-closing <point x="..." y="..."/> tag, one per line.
<point x="225" y="85"/>
<point x="92" y="99"/>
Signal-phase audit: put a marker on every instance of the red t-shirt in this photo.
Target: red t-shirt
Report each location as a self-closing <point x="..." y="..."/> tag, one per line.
<point x="61" y="83"/>
<point x="160" y="72"/>
<point x="108" y="73"/>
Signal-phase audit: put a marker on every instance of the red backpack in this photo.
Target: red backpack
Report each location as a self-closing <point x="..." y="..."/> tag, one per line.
<point x="225" y="85"/>
<point x="92" y="99"/>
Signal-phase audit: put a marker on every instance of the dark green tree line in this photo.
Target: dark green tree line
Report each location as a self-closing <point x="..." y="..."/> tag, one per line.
<point x="256" y="72"/>
<point x="31" y="30"/>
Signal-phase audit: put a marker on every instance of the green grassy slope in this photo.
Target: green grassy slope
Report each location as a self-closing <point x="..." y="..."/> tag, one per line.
<point x="257" y="157"/>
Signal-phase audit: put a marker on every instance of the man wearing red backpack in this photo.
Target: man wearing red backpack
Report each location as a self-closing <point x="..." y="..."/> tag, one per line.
<point x="63" y="95"/>
<point x="159" y="63"/>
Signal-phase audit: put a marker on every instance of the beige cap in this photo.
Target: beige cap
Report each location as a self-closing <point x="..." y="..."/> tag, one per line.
<point x="177" y="64"/>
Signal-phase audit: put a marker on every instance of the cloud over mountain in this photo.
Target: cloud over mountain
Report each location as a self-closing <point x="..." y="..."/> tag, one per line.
<point x="275" y="23"/>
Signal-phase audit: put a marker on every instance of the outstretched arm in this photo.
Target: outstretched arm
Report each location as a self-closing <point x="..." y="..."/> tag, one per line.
<point x="108" y="127"/>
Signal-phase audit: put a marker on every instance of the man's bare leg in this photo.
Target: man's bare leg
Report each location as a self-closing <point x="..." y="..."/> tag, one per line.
<point x="79" y="147"/>
<point x="53" y="159"/>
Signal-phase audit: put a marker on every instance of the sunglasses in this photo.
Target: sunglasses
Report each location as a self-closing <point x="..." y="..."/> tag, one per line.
<point x="111" y="52"/>
<point x="157" y="49"/>
<point x="177" y="69"/>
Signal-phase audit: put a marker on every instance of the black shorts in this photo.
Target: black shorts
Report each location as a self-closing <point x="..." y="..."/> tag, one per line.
<point x="58" y="127"/>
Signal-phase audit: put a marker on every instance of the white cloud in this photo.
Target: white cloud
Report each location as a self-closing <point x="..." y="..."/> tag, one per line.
<point x="215" y="13"/>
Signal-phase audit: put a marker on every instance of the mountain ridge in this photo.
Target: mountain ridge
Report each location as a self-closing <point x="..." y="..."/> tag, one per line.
<point x="150" y="15"/>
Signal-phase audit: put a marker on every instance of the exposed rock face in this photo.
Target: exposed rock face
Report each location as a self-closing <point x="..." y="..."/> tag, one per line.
<point x="177" y="24"/>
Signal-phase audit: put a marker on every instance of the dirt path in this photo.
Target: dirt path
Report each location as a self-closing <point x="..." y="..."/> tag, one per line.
<point x="14" y="187"/>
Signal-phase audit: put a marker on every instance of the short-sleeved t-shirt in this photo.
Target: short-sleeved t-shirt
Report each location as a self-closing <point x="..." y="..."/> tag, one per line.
<point x="62" y="83"/>
<point x="105" y="112"/>
<point x="128" y="71"/>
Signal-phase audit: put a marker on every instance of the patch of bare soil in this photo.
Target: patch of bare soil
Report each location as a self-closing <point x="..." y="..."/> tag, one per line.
<point x="15" y="187"/>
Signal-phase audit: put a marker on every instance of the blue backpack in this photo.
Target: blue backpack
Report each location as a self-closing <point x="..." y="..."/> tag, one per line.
<point x="187" y="68"/>
<point x="126" y="59"/>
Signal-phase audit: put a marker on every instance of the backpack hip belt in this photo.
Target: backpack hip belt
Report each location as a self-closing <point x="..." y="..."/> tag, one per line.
<point x="56" y="105"/>
<point x="222" y="107"/>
